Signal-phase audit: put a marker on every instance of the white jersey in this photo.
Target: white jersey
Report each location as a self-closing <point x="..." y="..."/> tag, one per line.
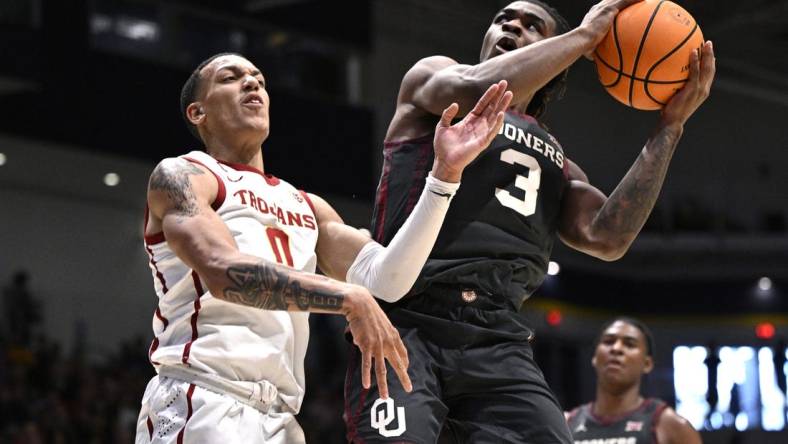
<point x="270" y="219"/>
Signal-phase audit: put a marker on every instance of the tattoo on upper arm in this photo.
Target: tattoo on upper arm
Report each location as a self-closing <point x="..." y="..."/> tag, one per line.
<point x="175" y="181"/>
<point x="269" y="287"/>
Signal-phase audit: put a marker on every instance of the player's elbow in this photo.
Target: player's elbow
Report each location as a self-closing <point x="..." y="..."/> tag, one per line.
<point x="213" y="270"/>
<point x="611" y="250"/>
<point x="465" y="88"/>
<point x="391" y="293"/>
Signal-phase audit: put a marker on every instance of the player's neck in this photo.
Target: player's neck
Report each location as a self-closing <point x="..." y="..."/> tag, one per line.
<point x="521" y="107"/>
<point x="610" y="403"/>
<point x="242" y="152"/>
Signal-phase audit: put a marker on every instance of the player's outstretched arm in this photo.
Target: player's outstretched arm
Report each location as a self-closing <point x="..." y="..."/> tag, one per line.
<point x="436" y="82"/>
<point x="179" y="196"/>
<point x="605" y="227"/>
<point x="389" y="272"/>
<point x="673" y="429"/>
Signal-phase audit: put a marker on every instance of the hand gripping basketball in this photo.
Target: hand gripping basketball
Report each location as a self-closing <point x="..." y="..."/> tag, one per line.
<point x="600" y="17"/>
<point x="695" y="91"/>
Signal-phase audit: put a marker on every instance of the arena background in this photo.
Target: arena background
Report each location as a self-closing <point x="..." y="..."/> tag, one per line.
<point x="89" y="88"/>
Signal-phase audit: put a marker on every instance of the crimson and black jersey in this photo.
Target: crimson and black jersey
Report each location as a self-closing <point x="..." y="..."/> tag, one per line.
<point x="501" y="225"/>
<point x="637" y="427"/>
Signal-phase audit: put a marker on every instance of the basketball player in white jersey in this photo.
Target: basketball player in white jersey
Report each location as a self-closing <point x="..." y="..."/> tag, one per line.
<point x="233" y="252"/>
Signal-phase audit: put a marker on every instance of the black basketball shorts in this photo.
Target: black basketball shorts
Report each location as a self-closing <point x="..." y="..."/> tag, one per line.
<point x="473" y="373"/>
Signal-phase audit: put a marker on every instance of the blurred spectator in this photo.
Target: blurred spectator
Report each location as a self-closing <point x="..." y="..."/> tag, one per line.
<point x="22" y="312"/>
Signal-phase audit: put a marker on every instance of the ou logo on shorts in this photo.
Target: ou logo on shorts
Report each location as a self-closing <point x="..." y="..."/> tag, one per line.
<point x="382" y="414"/>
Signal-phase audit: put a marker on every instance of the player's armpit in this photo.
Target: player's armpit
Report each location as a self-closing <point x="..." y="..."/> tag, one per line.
<point x="579" y="208"/>
<point x="434" y="83"/>
<point x="179" y="198"/>
<point x="337" y="244"/>
<point x="580" y="205"/>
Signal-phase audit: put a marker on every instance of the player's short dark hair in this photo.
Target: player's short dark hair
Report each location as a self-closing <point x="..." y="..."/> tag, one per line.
<point x="637" y="323"/>
<point x="192" y="87"/>
<point x="555" y="88"/>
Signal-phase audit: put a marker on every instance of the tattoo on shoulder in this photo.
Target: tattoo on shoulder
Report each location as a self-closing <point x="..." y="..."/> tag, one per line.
<point x="268" y="287"/>
<point x="173" y="178"/>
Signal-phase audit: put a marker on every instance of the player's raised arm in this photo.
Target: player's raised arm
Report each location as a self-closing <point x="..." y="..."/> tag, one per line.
<point x="524" y="45"/>
<point x="605" y="227"/>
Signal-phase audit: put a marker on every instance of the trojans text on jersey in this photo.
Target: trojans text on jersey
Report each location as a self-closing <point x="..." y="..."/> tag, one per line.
<point x="248" y="198"/>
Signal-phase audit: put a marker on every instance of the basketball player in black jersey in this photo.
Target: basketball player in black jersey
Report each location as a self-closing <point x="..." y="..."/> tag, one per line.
<point x="473" y="371"/>
<point x="624" y="353"/>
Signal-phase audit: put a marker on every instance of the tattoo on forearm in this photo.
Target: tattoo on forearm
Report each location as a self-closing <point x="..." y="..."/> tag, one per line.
<point x="174" y="180"/>
<point x="631" y="202"/>
<point x="271" y="288"/>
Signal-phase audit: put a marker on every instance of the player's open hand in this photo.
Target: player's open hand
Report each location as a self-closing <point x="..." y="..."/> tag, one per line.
<point x="695" y="91"/>
<point x="378" y="341"/>
<point x="457" y="145"/>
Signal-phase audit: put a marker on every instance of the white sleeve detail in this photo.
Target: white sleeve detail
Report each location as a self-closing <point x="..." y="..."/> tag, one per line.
<point x="390" y="272"/>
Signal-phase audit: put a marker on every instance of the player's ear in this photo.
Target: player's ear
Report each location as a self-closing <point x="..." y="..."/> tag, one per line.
<point x="195" y="113"/>
<point x="649" y="365"/>
<point x="593" y="360"/>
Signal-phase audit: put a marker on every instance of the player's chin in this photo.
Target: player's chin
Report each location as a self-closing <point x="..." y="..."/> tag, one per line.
<point x="258" y="127"/>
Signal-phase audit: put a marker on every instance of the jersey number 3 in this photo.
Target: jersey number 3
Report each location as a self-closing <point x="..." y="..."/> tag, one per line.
<point x="530" y="183"/>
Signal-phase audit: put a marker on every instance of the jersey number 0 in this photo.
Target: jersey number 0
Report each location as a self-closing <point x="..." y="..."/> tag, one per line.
<point x="530" y="183"/>
<point x="280" y="244"/>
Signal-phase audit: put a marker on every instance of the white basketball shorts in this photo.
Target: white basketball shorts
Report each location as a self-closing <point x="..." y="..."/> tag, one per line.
<point x="177" y="412"/>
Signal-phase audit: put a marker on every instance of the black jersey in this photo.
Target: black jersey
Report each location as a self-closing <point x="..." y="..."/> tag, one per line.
<point x="500" y="228"/>
<point x="637" y="427"/>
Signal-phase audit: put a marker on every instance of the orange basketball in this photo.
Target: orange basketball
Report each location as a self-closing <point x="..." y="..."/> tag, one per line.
<point x="644" y="58"/>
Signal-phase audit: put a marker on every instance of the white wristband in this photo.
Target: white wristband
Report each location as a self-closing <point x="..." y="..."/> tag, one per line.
<point x="390" y="272"/>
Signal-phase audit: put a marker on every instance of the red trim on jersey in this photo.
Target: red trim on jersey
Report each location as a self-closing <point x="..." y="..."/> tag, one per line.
<point x="154" y="344"/>
<point x="150" y="239"/>
<point x="523" y="116"/>
<point x="381" y="199"/>
<point x="417" y="181"/>
<point x="156" y="238"/>
<point x="655" y="419"/>
<point x="159" y="274"/>
<point x="221" y="191"/>
<point x="150" y="428"/>
<point x="606" y="421"/>
<point x="189" y="410"/>
<point x="269" y="178"/>
<point x="309" y="201"/>
<point x="566" y="168"/>
<point x="198" y="289"/>
<point x="427" y="138"/>
<point x="162" y="318"/>
<point x="352" y="418"/>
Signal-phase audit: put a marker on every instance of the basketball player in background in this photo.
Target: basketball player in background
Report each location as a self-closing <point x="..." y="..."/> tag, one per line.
<point x="233" y="252"/>
<point x="624" y="354"/>
<point x="473" y="369"/>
